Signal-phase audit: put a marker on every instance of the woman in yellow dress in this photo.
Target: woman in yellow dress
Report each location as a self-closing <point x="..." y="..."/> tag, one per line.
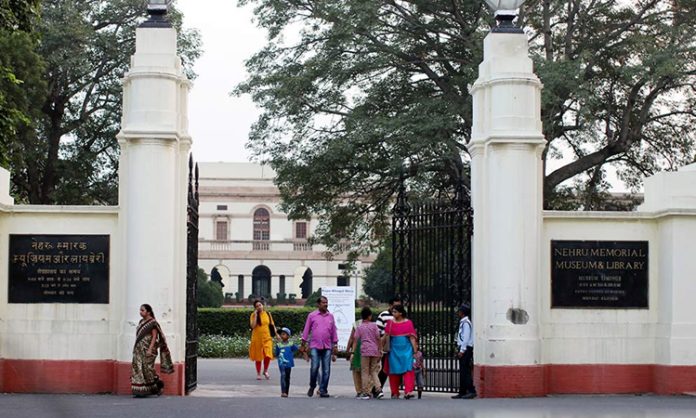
<point x="261" y="347"/>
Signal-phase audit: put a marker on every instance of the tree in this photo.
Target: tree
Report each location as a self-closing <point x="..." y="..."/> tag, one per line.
<point x="378" y="277"/>
<point x="618" y="89"/>
<point x="311" y="301"/>
<point x="372" y="91"/>
<point x="18" y="15"/>
<point x="17" y="56"/>
<point x="70" y="155"/>
<point x="209" y="292"/>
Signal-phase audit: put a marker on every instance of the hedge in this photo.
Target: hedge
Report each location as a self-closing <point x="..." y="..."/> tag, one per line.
<point x="225" y="321"/>
<point x="222" y="321"/>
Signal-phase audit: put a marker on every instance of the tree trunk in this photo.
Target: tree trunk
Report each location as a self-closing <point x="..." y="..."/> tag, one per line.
<point x="49" y="180"/>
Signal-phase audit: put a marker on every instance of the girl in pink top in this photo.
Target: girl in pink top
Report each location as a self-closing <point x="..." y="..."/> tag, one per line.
<point x="370" y="352"/>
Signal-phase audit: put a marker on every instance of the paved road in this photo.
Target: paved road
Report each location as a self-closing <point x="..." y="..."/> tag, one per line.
<point x="228" y="389"/>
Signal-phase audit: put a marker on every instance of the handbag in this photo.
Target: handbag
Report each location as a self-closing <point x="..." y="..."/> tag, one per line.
<point x="386" y="340"/>
<point x="271" y="325"/>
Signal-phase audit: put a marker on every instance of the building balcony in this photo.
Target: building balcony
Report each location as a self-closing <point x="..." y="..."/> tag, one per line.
<point x="271" y="250"/>
<point x="254" y="246"/>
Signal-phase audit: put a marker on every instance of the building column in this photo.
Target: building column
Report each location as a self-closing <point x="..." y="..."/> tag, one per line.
<point x="153" y="173"/>
<point x="507" y="189"/>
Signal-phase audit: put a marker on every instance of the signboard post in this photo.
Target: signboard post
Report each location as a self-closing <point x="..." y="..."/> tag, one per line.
<point x="342" y="306"/>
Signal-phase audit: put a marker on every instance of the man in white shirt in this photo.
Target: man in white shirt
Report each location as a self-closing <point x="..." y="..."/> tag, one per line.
<point x="465" y="342"/>
<point x="385" y="316"/>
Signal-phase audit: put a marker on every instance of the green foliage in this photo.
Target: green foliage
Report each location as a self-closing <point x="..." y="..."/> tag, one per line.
<point x="374" y="90"/>
<point x="20" y="71"/>
<point x="229" y="346"/>
<point x="311" y="301"/>
<point x="18" y="15"/>
<point x="223" y="346"/>
<point x="236" y="321"/>
<point x="225" y="333"/>
<point x="21" y="88"/>
<point x="378" y="277"/>
<point x="229" y="322"/>
<point x="69" y="154"/>
<point x="209" y="292"/>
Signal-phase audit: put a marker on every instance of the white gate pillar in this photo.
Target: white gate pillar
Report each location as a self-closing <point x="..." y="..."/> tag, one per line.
<point x="506" y="184"/>
<point x="155" y="144"/>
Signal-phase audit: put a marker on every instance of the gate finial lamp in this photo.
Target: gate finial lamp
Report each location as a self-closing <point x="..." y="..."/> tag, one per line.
<point x="157" y="9"/>
<point x="505" y="13"/>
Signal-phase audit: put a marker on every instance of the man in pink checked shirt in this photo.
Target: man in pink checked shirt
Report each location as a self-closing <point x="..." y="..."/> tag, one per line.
<point x="320" y="331"/>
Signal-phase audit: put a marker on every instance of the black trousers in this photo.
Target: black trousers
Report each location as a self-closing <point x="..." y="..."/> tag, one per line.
<point x="466" y="365"/>
<point x="382" y="376"/>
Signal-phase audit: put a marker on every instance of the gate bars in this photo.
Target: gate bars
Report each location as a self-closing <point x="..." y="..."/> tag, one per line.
<point x="431" y="271"/>
<point x="191" y="365"/>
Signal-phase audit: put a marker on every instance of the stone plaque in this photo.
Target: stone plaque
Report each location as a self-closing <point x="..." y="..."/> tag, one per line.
<point x="599" y="274"/>
<point x="59" y="269"/>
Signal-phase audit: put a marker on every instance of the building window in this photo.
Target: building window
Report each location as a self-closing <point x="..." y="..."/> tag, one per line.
<point x="343" y="280"/>
<point x="221" y="230"/>
<point x="301" y="230"/>
<point x="262" y="225"/>
<point x="221" y="207"/>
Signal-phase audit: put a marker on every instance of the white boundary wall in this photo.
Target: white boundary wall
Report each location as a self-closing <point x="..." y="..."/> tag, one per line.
<point x="665" y="333"/>
<point x="58" y="347"/>
<point x="58" y="330"/>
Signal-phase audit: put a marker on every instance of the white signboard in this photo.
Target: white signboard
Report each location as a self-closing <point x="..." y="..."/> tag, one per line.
<point x="342" y="306"/>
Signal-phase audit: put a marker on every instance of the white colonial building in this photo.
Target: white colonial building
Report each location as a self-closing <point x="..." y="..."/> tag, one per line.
<point x="254" y="246"/>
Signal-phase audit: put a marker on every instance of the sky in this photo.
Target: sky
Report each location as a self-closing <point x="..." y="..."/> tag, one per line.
<point x="219" y="123"/>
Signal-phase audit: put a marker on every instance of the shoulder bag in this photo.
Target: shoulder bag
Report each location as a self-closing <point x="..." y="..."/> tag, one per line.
<point x="386" y="338"/>
<point x="271" y="325"/>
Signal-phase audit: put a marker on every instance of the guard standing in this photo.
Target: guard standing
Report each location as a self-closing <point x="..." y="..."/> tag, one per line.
<point x="465" y="342"/>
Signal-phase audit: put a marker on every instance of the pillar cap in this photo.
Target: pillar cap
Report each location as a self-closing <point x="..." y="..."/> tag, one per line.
<point x="157" y="9"/>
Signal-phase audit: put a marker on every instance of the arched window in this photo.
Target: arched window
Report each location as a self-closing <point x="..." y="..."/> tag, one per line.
<point x="262" y="229"/>
<point x="261" y="282"/>
<point x="262" y="225"/>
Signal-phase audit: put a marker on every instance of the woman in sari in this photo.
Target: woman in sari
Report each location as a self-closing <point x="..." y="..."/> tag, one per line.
<point x="402" y="349"/>
<point x="261" y="347"/>
<point x="148" y="339"/>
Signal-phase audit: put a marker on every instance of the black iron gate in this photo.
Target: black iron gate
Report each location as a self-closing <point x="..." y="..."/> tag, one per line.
<point x="191" y="373"/>
<point x="431" y="267"/>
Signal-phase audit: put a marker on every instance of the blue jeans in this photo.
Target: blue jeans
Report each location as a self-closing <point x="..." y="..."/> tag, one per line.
<point x="318" y="357"/>
<point x="285" y="379"/>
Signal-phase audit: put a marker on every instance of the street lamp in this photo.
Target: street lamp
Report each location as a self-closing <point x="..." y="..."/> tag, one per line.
<point x="157" y="9"/>
<point x="505" y="13"/>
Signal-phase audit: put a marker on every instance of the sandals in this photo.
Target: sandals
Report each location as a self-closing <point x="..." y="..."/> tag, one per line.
<point x="266" y="375"/>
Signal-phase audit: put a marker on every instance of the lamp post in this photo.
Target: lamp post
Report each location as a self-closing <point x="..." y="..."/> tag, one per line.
<point x="505" y="13"/>
<point x="157" y="9"/>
